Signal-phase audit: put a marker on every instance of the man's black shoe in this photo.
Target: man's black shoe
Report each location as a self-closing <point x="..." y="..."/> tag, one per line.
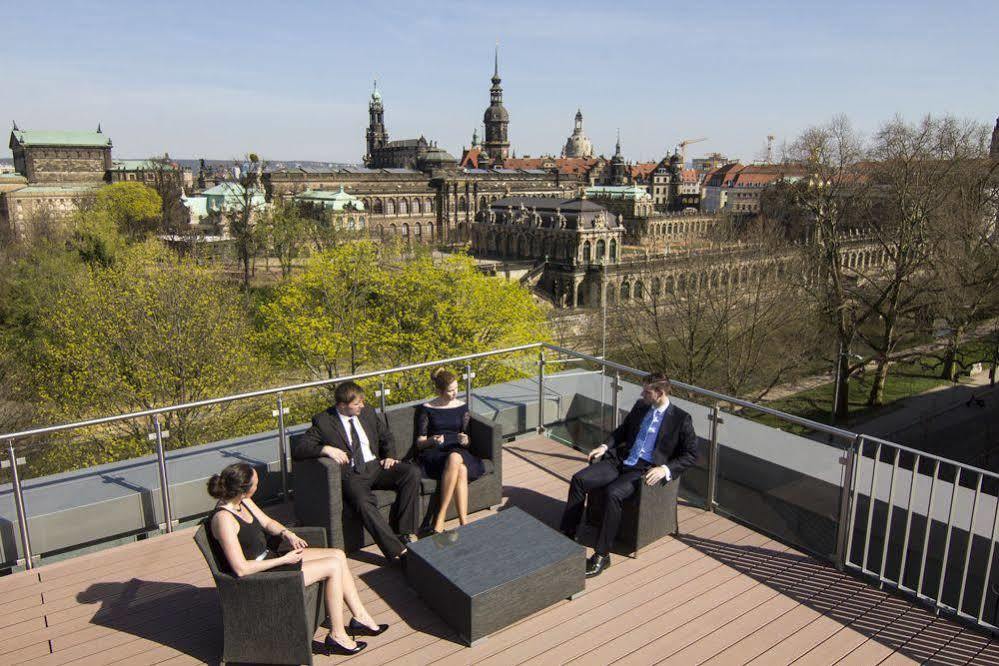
<point x="596" y="564"/>
<point x="406" y="539"/>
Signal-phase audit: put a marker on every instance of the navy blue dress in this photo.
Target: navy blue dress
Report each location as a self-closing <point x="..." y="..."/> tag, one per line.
<point x="447" y="421"/>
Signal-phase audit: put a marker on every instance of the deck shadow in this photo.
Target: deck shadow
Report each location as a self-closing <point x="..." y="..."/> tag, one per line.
<point x="881" y="615"/>
<point x="184" y="617"/>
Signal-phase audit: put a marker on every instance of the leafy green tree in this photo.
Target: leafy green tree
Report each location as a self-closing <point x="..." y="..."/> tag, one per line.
<point x="320" y="318"/>
<point x="358" y="307"/>
<point x="286" y="232"/>
<point x="132" y="207"/>
<point x="148" y="331"/>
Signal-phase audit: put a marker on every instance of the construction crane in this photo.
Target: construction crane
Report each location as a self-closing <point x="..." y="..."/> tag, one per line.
<point x="683" y="148"/>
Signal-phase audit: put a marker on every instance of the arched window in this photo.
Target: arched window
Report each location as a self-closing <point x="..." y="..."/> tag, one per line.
<point x="613" y="250"/>
<point x="669" y="285"/>
<point x="601" y="249"/>
<point x="462" y="203"/>
<point x="405" y="231"/>
<point x="586" y="252"/>
<point x="580" y="295"/>
<point x="390" y="207"/>
<point x="393" y="230"/>
<point x="625" y="291"/>
<point x="611" y="295"/>
<point x="403" y="207"/>
<point x="657" y="286"/>
<point x="482" y="203"/>
<point x="639" y="290"/>
<point x="430" y="206"/>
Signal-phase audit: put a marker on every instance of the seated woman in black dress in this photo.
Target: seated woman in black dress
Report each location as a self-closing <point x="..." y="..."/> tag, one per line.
<point x="241" y="529"/>
<point x="442" y="440"/>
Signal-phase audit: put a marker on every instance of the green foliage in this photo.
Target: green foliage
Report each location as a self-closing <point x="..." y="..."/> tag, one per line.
<point x="285" y="231"/>
<point x="354" y="309"/>
<point x="148" y="331"/>
<point x="321" y="317"/>
<point x="131" y="207"/>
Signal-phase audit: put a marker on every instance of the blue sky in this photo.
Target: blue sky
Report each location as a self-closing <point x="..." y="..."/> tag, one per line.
<point x="291" y="80"/>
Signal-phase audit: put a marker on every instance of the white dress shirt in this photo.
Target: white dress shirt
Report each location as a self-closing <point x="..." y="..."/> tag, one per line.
<point x="362" y="436"/>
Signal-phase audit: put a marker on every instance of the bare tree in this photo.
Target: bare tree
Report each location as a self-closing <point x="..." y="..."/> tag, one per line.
<point x="241" y="211"/>
<point x="824" y="210"/>
<point x="916" y="170"/>
<point x="733" y="320"/>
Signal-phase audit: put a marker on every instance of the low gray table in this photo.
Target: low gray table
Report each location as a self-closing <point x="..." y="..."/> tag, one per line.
<point x="492" y="572"/>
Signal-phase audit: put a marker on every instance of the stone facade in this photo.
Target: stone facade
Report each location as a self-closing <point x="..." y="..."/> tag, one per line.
<point x="416" y="206"/>
<point x="61" y="157"/>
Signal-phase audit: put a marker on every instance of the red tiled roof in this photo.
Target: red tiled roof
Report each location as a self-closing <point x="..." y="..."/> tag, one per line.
<point x="470" y="160"/>
<point x="565" y="165"/>
<point x="643" y="170"/>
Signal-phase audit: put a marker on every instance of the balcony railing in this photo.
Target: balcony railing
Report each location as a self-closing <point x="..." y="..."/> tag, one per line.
<point x="917" y="522"/>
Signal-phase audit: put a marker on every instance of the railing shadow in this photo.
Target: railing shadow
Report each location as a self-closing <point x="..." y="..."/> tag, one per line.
<point x="184" y="617"/>
<point x="882" y="616"/>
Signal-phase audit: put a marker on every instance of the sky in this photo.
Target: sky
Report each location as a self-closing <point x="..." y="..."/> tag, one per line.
<point x="291" y="80"/>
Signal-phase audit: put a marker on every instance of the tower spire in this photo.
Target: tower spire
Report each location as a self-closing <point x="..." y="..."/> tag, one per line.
<point x="496" y="62"/>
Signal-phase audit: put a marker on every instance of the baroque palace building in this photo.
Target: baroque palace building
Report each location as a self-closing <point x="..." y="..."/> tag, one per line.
<point x="417" y="192"/>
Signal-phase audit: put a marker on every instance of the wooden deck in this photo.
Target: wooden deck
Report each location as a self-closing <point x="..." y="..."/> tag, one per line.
<point x="721" y="594"/>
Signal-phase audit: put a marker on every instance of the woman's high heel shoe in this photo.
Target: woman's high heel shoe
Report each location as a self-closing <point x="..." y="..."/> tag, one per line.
<point x="355" y="628"/>
<point x="335" y="648"/>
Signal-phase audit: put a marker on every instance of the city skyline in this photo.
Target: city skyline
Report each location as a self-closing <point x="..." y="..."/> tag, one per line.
<point x="295" y="86"/>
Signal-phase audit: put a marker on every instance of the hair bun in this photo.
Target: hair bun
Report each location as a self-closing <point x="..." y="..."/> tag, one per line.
<point x="215" y="486"/>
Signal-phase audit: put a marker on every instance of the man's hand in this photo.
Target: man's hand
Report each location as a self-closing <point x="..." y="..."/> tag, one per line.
<point x="463" y="439"/>
<point x="597" y="453"/>
<point x="388" y="463"/>
<point x="338" y="455"/>
<point x="656" y="474"/>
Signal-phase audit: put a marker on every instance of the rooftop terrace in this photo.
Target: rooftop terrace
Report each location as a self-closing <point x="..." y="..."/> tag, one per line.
<point x="783" y="556"/>
<point x="722" y="593"/>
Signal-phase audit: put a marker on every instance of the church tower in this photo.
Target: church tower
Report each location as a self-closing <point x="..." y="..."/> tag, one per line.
<point x="376" y="136"/>
<point x="496" y="119"/>
<point x="618" y="167"/>
<point x="994" y="146"/>
<point x="578" y="145"/>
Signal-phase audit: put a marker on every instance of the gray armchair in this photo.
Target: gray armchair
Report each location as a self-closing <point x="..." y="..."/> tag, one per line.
<point x="648" y="515"/>
<point x="270" y="616"/>
<point x="318" y="487"/>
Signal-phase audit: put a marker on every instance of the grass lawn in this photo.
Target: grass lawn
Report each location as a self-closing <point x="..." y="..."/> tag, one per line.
<point x="904" y="380"/>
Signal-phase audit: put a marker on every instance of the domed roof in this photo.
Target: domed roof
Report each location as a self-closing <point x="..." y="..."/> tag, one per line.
<point x="438" y="156"/>
<point x="496" y="113"/>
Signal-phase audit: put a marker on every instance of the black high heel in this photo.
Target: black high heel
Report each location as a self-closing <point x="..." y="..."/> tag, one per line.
<point x="355" y="628"/>
<point x="335" y="648"/>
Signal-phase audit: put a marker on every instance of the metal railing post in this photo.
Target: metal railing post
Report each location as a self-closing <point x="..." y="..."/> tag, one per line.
<point x="164" y="481"/>
<point x="716" y="421"/>
<point x="844" y="525"/>
<point x="541" y="391"/>
<point x="381" y="393"/>
<point x="282" y="445"/>
<point x="22" y="517"/>
<point x="468" y="384"/>
<point x="615" y="387"/>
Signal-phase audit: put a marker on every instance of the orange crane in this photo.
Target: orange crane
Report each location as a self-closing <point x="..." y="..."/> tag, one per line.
<point x="683" y="148"/>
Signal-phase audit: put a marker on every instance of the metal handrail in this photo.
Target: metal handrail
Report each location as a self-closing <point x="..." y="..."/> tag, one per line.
<point x="714" y="395"/>
<point x="263" y="392"/>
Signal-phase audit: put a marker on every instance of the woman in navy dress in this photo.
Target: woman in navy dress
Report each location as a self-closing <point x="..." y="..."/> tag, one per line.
<point x="442" y="440"/>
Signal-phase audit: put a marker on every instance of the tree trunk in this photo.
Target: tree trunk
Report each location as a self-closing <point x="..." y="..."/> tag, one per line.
<point x="841" y="410"/>
<point x="877" y="394"/>
<point x="949" y="371"/>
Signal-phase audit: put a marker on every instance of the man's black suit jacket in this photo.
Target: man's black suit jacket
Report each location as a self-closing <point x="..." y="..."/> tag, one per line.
<point x="676" y="443"/>
<point x="327" y="429"/>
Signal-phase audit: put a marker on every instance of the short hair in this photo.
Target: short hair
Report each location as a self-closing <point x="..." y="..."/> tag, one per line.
<point x="658" y="381"/>
<point x="347" y="392"/>
<point x="442" y="378"/>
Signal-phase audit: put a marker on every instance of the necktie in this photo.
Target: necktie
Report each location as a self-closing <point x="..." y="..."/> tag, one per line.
<point x="356" y="455"/>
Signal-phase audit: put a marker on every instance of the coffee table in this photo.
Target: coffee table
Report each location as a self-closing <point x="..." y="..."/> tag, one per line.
<point x="488" y="574"/>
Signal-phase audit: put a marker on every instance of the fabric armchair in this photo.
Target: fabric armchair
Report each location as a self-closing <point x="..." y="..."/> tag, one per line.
<point x="647" y="516"/>
<point x="319" y="496"/>
<point x="268" y="616"/>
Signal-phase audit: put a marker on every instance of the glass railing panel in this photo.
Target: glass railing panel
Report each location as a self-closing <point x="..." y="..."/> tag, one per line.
<point x="782" y="484"/>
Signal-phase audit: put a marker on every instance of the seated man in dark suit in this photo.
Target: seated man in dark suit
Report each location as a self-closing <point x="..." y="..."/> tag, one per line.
<point x="366" y="455"/>
<point x="654" y="444"/>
